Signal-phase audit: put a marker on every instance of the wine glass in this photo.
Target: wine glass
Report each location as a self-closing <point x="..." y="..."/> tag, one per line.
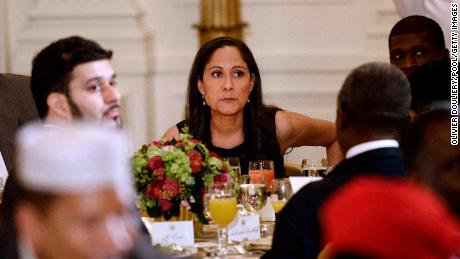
<point x="281" y="192"/>
<point x="312" y="167"/>
<point x="265" y="167"/>
<point x="234" y="163"/>
<point x="253" y="193"/>
<point x="222" y="208"/>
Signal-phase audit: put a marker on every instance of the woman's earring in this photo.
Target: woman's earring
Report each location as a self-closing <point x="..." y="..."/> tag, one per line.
<point x="250" y="94"/>
<point x="204" y="100"/>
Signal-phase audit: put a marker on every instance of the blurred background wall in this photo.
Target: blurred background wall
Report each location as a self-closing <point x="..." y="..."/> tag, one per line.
<point x="304" y="49"/>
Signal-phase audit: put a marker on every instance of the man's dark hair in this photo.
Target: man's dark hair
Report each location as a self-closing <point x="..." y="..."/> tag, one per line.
<point x="52" y="67"/>
<point x="430" y="84"/>
<point x="420" y="24"/>
<point x="375" y="98"/>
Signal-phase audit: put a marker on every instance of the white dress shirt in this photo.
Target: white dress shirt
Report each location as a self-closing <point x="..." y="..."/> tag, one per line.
<point x="3" y="172"/>
<point x="370" y="145"/>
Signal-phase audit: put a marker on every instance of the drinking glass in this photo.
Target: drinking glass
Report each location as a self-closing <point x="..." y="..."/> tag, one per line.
<point x="265" y="167"/>
<point x="253" y="195"/>
<point x="222" y="208"/>
<point x="234" y="163"/>
<point x="281" y="192"/>
<point x="312" y="167"/>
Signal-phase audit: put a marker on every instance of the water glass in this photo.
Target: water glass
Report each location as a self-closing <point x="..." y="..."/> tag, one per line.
<point x="281" y="192"/>
<point x="253" y="195"/>
<point x="234" y="163"/>
<point x="311" y="167"/>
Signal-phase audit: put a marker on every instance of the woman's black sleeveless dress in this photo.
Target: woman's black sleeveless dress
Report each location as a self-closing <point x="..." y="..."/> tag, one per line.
<point x="268" y="153"/>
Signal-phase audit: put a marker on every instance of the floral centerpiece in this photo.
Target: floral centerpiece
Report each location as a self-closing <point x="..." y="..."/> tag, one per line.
<point x="170" y="174"/>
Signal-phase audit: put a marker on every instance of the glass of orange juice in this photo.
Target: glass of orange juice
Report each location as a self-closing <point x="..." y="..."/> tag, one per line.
<point x="265" y="167"/>
<point x="222" y="207"/>
<point x="281" y="191"/>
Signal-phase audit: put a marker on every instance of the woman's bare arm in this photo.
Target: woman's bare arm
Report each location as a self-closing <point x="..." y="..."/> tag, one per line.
<point x="294" y="130"/>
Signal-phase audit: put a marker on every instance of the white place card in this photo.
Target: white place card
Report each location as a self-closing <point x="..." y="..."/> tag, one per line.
<point x="297" y="182"/>
<point x="171" y="232"/>
<point x="245" y="227"/>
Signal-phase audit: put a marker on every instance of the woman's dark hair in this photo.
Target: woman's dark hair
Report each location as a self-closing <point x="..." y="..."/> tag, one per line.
<point x="257" y="127"/>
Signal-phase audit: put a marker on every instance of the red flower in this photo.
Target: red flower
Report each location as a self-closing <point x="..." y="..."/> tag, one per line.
<point x="153" y="190"/>
<point x="222" y="178"/>
<point x="159" y="173"/>
<point x="155" y="162"/>
<point x="165" y="205"/>
<point x="171" y="187"/>
<point x="179" y="143"/>
<point x="195" y="141"/>
<point x="196" y="161"/>
<point x="214" y="154"/>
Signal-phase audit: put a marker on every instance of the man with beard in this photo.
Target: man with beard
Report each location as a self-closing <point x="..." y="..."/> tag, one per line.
<point x="73" y="79"/>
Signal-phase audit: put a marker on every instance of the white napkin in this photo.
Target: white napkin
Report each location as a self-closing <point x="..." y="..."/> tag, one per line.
<point x="297" y="182"/>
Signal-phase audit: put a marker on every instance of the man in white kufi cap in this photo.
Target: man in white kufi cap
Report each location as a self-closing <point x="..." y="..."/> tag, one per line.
<point x="74" y="196"/>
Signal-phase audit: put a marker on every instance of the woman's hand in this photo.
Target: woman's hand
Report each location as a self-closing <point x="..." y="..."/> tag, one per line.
<point x="171" y="133"/>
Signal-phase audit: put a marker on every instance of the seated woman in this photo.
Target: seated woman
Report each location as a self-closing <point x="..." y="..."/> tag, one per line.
<point x="225" y="110"/>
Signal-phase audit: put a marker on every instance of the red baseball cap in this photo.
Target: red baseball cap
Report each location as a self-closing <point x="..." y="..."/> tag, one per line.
<point x="388" y="218"/>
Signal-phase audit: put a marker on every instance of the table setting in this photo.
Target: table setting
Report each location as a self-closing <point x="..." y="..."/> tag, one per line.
<point x="197" y="204"/>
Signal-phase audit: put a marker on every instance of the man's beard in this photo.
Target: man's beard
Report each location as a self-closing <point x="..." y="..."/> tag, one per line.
<point x="76" y="112"/>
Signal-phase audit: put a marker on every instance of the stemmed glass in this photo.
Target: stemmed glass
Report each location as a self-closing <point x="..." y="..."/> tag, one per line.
<point x="234" y="162"/>
<point x="222" y="208"/>
<point x="252" y="192"/>
<point x="315" y="168"/>
<point x="281" y="192"/>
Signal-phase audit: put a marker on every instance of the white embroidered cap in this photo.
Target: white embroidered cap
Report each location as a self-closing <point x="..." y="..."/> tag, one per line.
<point x="83" y="158"/>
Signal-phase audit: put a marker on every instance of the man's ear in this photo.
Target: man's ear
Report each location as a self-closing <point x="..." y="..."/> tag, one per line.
<point x="339" y="121"/>
<point x="58" y="105"/>
<point x="201" y="87"/>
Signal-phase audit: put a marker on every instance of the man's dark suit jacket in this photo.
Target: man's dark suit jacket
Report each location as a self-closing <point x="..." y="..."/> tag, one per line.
<point x="16" y="108"/>
<point x="297" y="231"/>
